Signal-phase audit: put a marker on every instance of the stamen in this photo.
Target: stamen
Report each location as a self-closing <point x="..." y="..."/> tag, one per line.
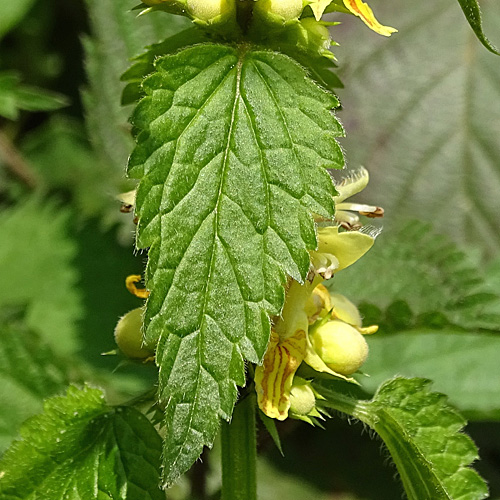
<point x="130" y="282"/>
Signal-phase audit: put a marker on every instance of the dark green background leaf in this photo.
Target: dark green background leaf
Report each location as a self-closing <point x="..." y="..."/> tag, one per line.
<point x="463" y="365"/>
<point x="38" y="270"/>
<point x="435" y="278"/>
<point x="15" y="96"/>
<point x="29" y="372"/>
<point x="11" y="12"/>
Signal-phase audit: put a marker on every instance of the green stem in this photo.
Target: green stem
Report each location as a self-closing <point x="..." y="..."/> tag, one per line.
<point x="239" y="453"/>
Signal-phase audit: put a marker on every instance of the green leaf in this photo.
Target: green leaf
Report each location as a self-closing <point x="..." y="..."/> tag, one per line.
<point x="421" y="275"/>
<point x="423" y="435"/>
<point x="143" y="64"/>
<point x="37" y="269"/>
<point x="29" y="372"/>
<point x="15" y="97"/>
<point x="464" y="365"/>
<point x="11" y="13"/>
<point x="81" y="448"/>
<point x="419" y="117"/>
<point x="473" y="14"/>
<point x="117" y="36"/>
<point x="232" y="150"/>
<point x="60" y="153"/>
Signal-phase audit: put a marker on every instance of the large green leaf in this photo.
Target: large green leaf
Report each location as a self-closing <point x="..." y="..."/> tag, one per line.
<point x="419" y="116"/>
<point x="423" y="435"/>
<point x="80" y="448"/>
<point x="37" y="269"/>
<point x="232" y="150"/>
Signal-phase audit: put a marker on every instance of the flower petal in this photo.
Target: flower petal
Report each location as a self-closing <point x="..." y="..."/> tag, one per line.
<point x="352" y="184"/>
<point x="363" y="11"/>
<point x="273" y="380"/>
<point x="347" y="247"/>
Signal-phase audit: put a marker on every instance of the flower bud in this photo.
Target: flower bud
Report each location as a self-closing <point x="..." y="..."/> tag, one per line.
<point x="128" y="335"/>
<point x="286" y="9"/>
<point x="208" y="10"/>
<point x="341" y="347"/>
<point x="302" y="398"/>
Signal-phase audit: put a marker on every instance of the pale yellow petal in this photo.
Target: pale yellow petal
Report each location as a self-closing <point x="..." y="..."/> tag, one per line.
<point x="352" y="184"/>
<point x="348" y="246"/>
<point x="273" y="379"/>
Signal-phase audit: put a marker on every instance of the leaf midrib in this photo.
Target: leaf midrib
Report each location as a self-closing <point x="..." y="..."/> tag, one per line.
<point x="216" y="238"/>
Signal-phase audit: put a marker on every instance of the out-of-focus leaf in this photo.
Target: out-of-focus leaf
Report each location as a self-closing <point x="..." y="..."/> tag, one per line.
<point x="423" y="435"/>
<point x="462" y="365"/>
<point x="12" y="12"/>
<point x="473" y="14"/>
<point x="420" y="114"/>
<point x="117" y="36"/>
<point x="80" y="448"/>
<point x="29" y="372"/>
<point x="438" y="281"/>
<point x="36" y="259"/>
<point x="60" y="153"/>
<point x="15" y="96"/>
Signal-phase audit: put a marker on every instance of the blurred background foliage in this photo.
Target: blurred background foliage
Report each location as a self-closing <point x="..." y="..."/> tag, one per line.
<point x="421" y="113"/>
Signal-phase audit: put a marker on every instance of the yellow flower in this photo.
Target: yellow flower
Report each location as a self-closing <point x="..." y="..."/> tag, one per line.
<point x="340" y="347"/>
<point x="273" y="379"/>
<point x="350" y="185"/>
<point x="290" y="343"/>
<point x="356" y="7"/>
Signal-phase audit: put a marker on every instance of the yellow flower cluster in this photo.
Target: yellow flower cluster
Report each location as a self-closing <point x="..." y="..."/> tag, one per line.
<point x="322" y="329"/>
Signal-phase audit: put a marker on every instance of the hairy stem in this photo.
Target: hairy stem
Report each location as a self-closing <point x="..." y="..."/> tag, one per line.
<point x="239" y="453"/>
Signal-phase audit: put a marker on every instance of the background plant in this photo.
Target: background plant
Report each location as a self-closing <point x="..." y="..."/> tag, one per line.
<point x="452" y="309"/>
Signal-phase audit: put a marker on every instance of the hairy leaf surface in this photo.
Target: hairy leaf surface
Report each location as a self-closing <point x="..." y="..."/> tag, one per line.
<point x="80" y="448"/>
<point x="232" y="150"/>
<point x="423" y="435"/>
